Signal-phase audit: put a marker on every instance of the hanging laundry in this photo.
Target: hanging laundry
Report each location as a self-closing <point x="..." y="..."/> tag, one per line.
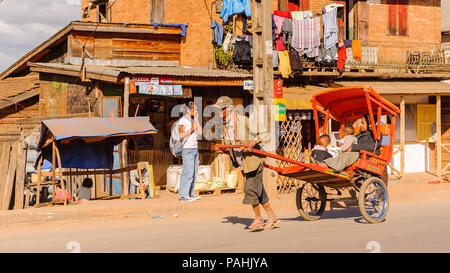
<point x="342" y="57"/>
<point x="279" y="23"/>
<point x="297" y="15"/>
<point x="306" y="35"/>
<point x="218" y="32"/>
<point x="274" y="29"/>
<point x="286" y="31"/>
<point x="280" y="45"/>
<point x="275" y="59"/>
<point x="330" y="37"/>
<point x="231" y="7"/>
<point x="247" y="38"/>
<point x="228" y="42"/>
<point x="242" y="54"/>
<point x="331" y="54"/>
<point x="284" y="14"/>
<point x="295" y="61"/>
<point x="284" y="66"/>
<point x="348" y="43"/>
<point x="356" y="48"/>
<point x="332" y="6"/>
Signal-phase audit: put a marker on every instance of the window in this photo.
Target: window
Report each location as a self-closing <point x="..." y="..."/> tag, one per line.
<point x="102" y="13"/>
<point x="425" y="117"/>
<point x="398" y="17"/>
<point x="293" y="5"/>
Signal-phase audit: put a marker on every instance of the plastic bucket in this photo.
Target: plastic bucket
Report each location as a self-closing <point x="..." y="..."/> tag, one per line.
<point x="173" y="176"/>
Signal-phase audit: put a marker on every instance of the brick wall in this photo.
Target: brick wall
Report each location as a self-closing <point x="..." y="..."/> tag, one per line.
<point x="423" y="23"/>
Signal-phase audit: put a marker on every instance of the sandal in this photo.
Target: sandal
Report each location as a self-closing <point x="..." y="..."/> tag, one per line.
<point x="270" y="225"/>
<point x="256" y="226"/>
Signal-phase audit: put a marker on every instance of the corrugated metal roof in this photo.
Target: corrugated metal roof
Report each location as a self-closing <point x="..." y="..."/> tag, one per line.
<point x="186" y="71"/>
<point x="12" y="87"/>
<point x="402" y="87"/>
<point x="178" y="71"/>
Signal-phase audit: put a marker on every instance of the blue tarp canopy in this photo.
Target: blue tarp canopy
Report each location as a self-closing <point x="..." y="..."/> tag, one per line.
<point x="87" y="143"/>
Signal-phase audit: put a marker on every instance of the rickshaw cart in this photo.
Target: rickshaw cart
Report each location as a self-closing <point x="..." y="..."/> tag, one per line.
<point x="366" y="175"/>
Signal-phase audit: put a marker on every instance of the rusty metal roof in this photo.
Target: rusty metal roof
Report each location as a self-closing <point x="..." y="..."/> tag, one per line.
<point x="402" y="87"/>
<point x="12" y="87"/>
<point x="185" y="71"/>
<point x="112" y="71"/>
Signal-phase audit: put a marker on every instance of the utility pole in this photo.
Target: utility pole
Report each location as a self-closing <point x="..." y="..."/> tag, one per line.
<point x="263" y="80"/>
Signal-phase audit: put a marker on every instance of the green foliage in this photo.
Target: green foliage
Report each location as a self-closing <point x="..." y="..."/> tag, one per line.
<point x="228" y="27"/>
<point x="223" y="59"/>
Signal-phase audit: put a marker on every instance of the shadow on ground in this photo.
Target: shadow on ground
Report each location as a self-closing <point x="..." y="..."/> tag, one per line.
<point x="330" y="214"/>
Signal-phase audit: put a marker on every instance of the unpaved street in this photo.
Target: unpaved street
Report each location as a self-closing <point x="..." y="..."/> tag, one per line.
<point x="410" y="227"/>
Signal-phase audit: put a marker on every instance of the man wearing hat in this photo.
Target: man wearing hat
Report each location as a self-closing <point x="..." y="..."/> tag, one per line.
<point x="236" y="131"/>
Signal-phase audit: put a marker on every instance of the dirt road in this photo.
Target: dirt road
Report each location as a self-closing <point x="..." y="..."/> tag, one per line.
<point x="410" y="227"/>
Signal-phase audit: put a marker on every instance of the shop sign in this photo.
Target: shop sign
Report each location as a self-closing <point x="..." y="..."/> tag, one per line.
<point x="248" y="85"/>
<point x="278" y="88"/>
<point x="165" y="80"/>
<point x="280" y="109"/>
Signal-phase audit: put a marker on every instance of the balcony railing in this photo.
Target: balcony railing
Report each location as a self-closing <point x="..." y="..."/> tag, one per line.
<point x="387" y="57"/>
<point x="402" y="57"/>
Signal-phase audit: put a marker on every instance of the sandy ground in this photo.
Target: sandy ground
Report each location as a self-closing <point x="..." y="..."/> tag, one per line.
<point x="418" y="221"/>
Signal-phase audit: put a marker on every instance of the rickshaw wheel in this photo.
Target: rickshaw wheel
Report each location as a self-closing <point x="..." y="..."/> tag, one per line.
<point x="373" y="200"/>
<point x="311" y="201"/>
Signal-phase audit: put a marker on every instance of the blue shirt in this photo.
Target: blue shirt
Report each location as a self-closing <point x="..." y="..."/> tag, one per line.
<point x="230" y="7"/>
<point x="218" y="32"/>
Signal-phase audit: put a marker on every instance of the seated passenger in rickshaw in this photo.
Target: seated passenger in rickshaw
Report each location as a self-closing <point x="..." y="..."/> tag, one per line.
<point x="320" y="151"/>
<point x="365" y="141"/>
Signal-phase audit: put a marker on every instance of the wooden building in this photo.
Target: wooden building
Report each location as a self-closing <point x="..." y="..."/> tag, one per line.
<point x="87" y="69"/>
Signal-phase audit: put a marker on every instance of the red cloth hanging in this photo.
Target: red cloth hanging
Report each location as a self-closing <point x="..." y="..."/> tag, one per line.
<point x="342" y="55"/>
<point x="285" y="14"/>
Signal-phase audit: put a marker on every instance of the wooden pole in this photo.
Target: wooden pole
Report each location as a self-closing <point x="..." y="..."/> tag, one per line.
<point x="111" y="148"/>
<point x="54" y="170"/>
<point x="438" y="136"/>
<point x="263" y="80"/>
<point x="141" y="188"/>
<point x="20" y="174"/>
<point x="58" y="157"/>
<point x="123" y="151"/>
<point x="38" y="191"/>
<point x="402" y="136"/>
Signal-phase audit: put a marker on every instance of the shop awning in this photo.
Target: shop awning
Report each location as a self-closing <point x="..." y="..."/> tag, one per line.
<point x="299" y="98"/>
<point x="402" y="87"/>
<point x="87" y="143"/>
<point x="92" y="129"/>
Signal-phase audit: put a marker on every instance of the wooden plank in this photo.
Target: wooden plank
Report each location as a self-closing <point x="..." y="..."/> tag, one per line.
<point x="402" y="136"/>
<point x="8" y="189"/>
<point x="438" y="136"/>
<point x="19" y="98"/>
<point x="20" y="175"/>
<point x="5" y="153"/>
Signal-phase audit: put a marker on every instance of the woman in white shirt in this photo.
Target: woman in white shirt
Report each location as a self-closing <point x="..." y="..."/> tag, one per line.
<point x="190" y="129"/>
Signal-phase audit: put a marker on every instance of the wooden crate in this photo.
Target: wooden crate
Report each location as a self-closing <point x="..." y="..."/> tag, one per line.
<point x="216" y="191"/>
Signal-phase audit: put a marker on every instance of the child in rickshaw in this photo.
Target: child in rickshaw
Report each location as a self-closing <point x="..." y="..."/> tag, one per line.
<point x="320" y="151"/>
<point x="348" y="140"/>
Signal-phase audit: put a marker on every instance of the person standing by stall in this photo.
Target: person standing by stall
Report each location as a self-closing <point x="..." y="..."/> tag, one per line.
<point x="190" y="129"/>
<point x="237" y="131"/>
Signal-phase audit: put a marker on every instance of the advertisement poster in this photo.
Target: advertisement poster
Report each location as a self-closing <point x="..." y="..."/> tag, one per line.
<point x="278" y="88"/>
<point x="177" y="90"/>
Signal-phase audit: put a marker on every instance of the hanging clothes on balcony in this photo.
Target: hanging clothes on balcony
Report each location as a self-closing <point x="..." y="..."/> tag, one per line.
<point x="228" y="42"/>
<point x="286" y="32"/>
<point x="284" y="14"/>
<point x="247" y="38"/>
<point x="342" y="56"/>
<point x="330" y="30"/>
<point x="306" y="35"/>
<point x="284" y="66"/>
<point x="218" y="32"/>
<point x="274" y="29"/>
<point x="295" y="61"/>
<point x="297" y="15"/>
<point x="242" y="54"/>
<point x="348" y="43"/>
<point x="231" y="7"/>
<point x="356" y="48"/>
<point x="275" y="58"/>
